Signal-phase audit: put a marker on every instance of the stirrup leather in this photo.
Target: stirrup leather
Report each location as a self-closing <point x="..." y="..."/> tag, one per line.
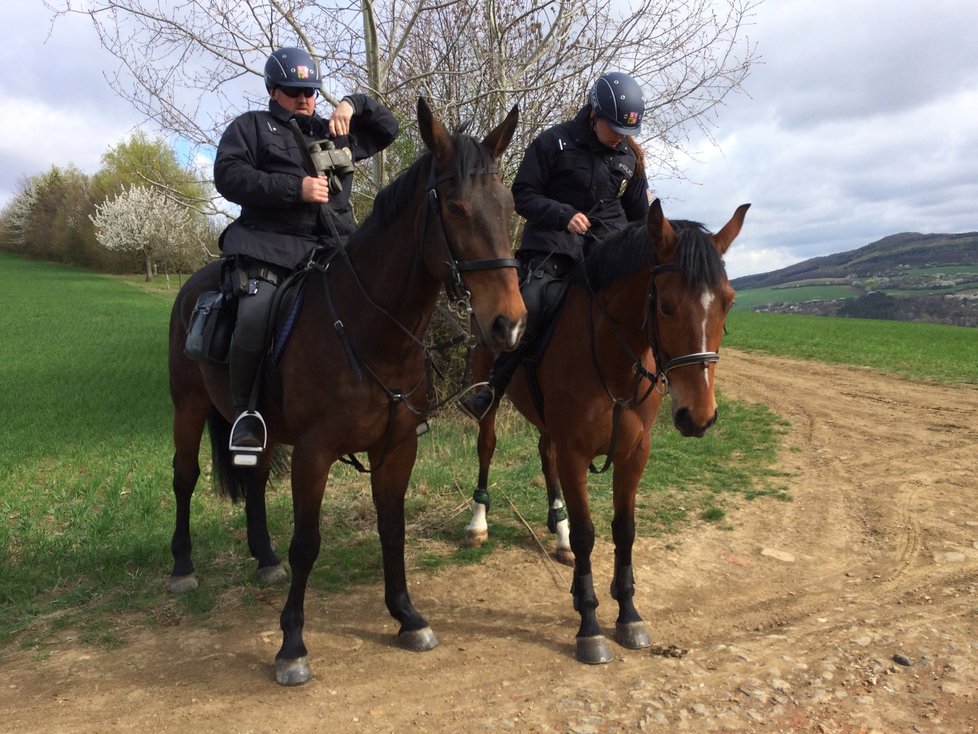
<point x="247" y="455"/>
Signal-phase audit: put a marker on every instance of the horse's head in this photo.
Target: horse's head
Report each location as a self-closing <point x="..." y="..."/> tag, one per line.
<point x="468" y="245"/>
<point x="689" y="300"/>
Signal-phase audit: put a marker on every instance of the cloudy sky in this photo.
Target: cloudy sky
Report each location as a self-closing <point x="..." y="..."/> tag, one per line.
<point x="860" y="120"/>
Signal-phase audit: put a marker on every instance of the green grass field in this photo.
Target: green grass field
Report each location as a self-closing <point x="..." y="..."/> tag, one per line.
<point x="943" y="270"/>
<point x="86" y="509"/>
<point x="748" y="299"/>
<point x="916" y="351"/>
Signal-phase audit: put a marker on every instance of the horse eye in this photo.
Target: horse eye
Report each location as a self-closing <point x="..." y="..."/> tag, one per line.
<point x="458" y="208"/>
<point x="667" y="308"/>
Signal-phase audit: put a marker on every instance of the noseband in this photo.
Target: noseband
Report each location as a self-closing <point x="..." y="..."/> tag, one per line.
<point x="458" y="293"/>
<point x="664" y="366"/>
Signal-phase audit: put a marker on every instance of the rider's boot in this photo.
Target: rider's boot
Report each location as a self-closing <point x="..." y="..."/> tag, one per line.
<point x="477" y="405"/>
<point x="248" y="434"/>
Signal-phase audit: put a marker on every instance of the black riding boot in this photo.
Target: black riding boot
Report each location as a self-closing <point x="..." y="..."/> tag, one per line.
<point x="476" y="405"/>
<point x="248" y="433"/>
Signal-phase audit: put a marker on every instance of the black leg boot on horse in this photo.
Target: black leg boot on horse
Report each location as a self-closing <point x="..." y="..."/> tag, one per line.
<point x="542" y="290"/>
<point x="249" y="345"/>
<point x="478" y="404"/>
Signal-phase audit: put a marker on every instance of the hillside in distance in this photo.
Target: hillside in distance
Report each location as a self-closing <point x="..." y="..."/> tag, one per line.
<point x="905" y="277"/>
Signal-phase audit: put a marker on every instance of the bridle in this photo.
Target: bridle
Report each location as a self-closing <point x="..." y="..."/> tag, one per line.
<point x="458" y="293"/>
<point x="664" y="366"/>
<point x="459" y="302"/>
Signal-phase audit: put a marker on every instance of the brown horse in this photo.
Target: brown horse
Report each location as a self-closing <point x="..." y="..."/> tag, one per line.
<point x="353" y="375"/>
<point x="646" y="307"/>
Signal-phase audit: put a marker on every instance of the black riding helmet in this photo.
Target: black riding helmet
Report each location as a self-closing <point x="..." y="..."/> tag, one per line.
<point x="292" y="67"/>
<point x="617" y="99"/>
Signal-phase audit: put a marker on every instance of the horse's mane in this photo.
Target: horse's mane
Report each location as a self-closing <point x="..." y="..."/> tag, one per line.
<point x="470" y="155"/>
<point x="630" y="249"/>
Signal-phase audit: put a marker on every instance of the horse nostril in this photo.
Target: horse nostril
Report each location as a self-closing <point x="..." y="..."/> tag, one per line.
<point x="506" y="334"/>
<point x="683" y="420"/>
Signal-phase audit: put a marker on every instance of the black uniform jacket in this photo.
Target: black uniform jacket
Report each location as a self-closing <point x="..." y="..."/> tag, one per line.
<point x="259" y="166"/>
<point x="566" y="170"/>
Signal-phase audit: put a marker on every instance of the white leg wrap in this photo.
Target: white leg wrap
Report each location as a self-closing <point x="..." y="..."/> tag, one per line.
<point x="563" y="528"/>
<point x="478" y="522"/>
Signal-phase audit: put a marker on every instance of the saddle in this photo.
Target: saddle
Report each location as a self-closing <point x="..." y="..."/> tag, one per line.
<point x="213" y="318"/>
<point x="543" y="286"/>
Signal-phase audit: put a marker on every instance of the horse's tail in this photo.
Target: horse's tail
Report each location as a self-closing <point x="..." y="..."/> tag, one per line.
<point x="232" y="481"/>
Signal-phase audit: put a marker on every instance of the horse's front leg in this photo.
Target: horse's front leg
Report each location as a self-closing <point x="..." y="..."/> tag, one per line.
<point x="310" y="471"/>
<point x="389" y="483"/>
<point x="557" y="522"/>
<point x="477" y="531"/>
<point x="630" y="630"/>
<point x="592" y="648"/>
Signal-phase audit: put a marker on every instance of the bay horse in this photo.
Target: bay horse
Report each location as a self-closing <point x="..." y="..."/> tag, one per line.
<point x="353" y="376"/>
<point x="644" y="313"/>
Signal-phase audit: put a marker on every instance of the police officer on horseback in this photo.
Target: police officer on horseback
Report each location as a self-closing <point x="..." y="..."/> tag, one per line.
<point x="578" y="182"/>
<point x="286" y="213"/>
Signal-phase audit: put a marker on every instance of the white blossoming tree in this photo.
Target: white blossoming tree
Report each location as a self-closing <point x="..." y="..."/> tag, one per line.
<point x="142" y="220"/>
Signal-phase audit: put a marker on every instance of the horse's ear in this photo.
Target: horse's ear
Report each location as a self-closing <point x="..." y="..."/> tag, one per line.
<point x="725" y="237"/>
<point x="661" y="233"/>
<point x="499" y="139"/>
<point x="433" y="133"/>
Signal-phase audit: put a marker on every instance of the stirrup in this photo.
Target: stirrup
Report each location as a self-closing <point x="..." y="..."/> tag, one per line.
<point x="247" y="455"/>
<point x="464" y="403"/>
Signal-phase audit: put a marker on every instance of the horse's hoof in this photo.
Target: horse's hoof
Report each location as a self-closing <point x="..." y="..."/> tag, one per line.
<point x="476" y="538"/>
<point x="292" y="672"/>
<point x="565" y="556"/>
<point x="632" y="635"/>
<point x="594" y="650"/>
<point x="420" y="640"/>
<point x="183" y="584"/>
<point x="270" y="575"/>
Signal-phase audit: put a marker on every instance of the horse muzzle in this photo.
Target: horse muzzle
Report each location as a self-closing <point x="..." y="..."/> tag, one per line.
<point x="504" y="334"/>
<point x="688" y="426"/>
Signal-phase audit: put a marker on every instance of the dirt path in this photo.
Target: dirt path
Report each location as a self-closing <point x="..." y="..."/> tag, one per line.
<point x="852" y="608"/>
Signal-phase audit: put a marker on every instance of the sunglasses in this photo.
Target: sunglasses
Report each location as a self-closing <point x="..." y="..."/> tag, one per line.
<point x="294" y="92"/>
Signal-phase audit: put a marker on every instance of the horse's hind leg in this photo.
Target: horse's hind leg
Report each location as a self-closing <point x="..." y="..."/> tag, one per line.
<point x="270" y="569"/>
<point x="630" y="629"/>
<point x="188" y="427"/>
<point x="556" y="510"/>
<point x="477" y="531"/>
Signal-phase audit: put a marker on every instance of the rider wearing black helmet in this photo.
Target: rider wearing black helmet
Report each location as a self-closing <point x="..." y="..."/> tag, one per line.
<point x="285" y="212"/>
<point x="579" y="182"/>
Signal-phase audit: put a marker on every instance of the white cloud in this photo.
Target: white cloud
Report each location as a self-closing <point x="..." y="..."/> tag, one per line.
<point x="58" y="108"/>
<point x="859" y="125"/>
<point x="75" y="135"/>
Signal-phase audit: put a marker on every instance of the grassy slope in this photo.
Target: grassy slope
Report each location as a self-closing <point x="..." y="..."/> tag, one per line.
<point x="916" y="351"/>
